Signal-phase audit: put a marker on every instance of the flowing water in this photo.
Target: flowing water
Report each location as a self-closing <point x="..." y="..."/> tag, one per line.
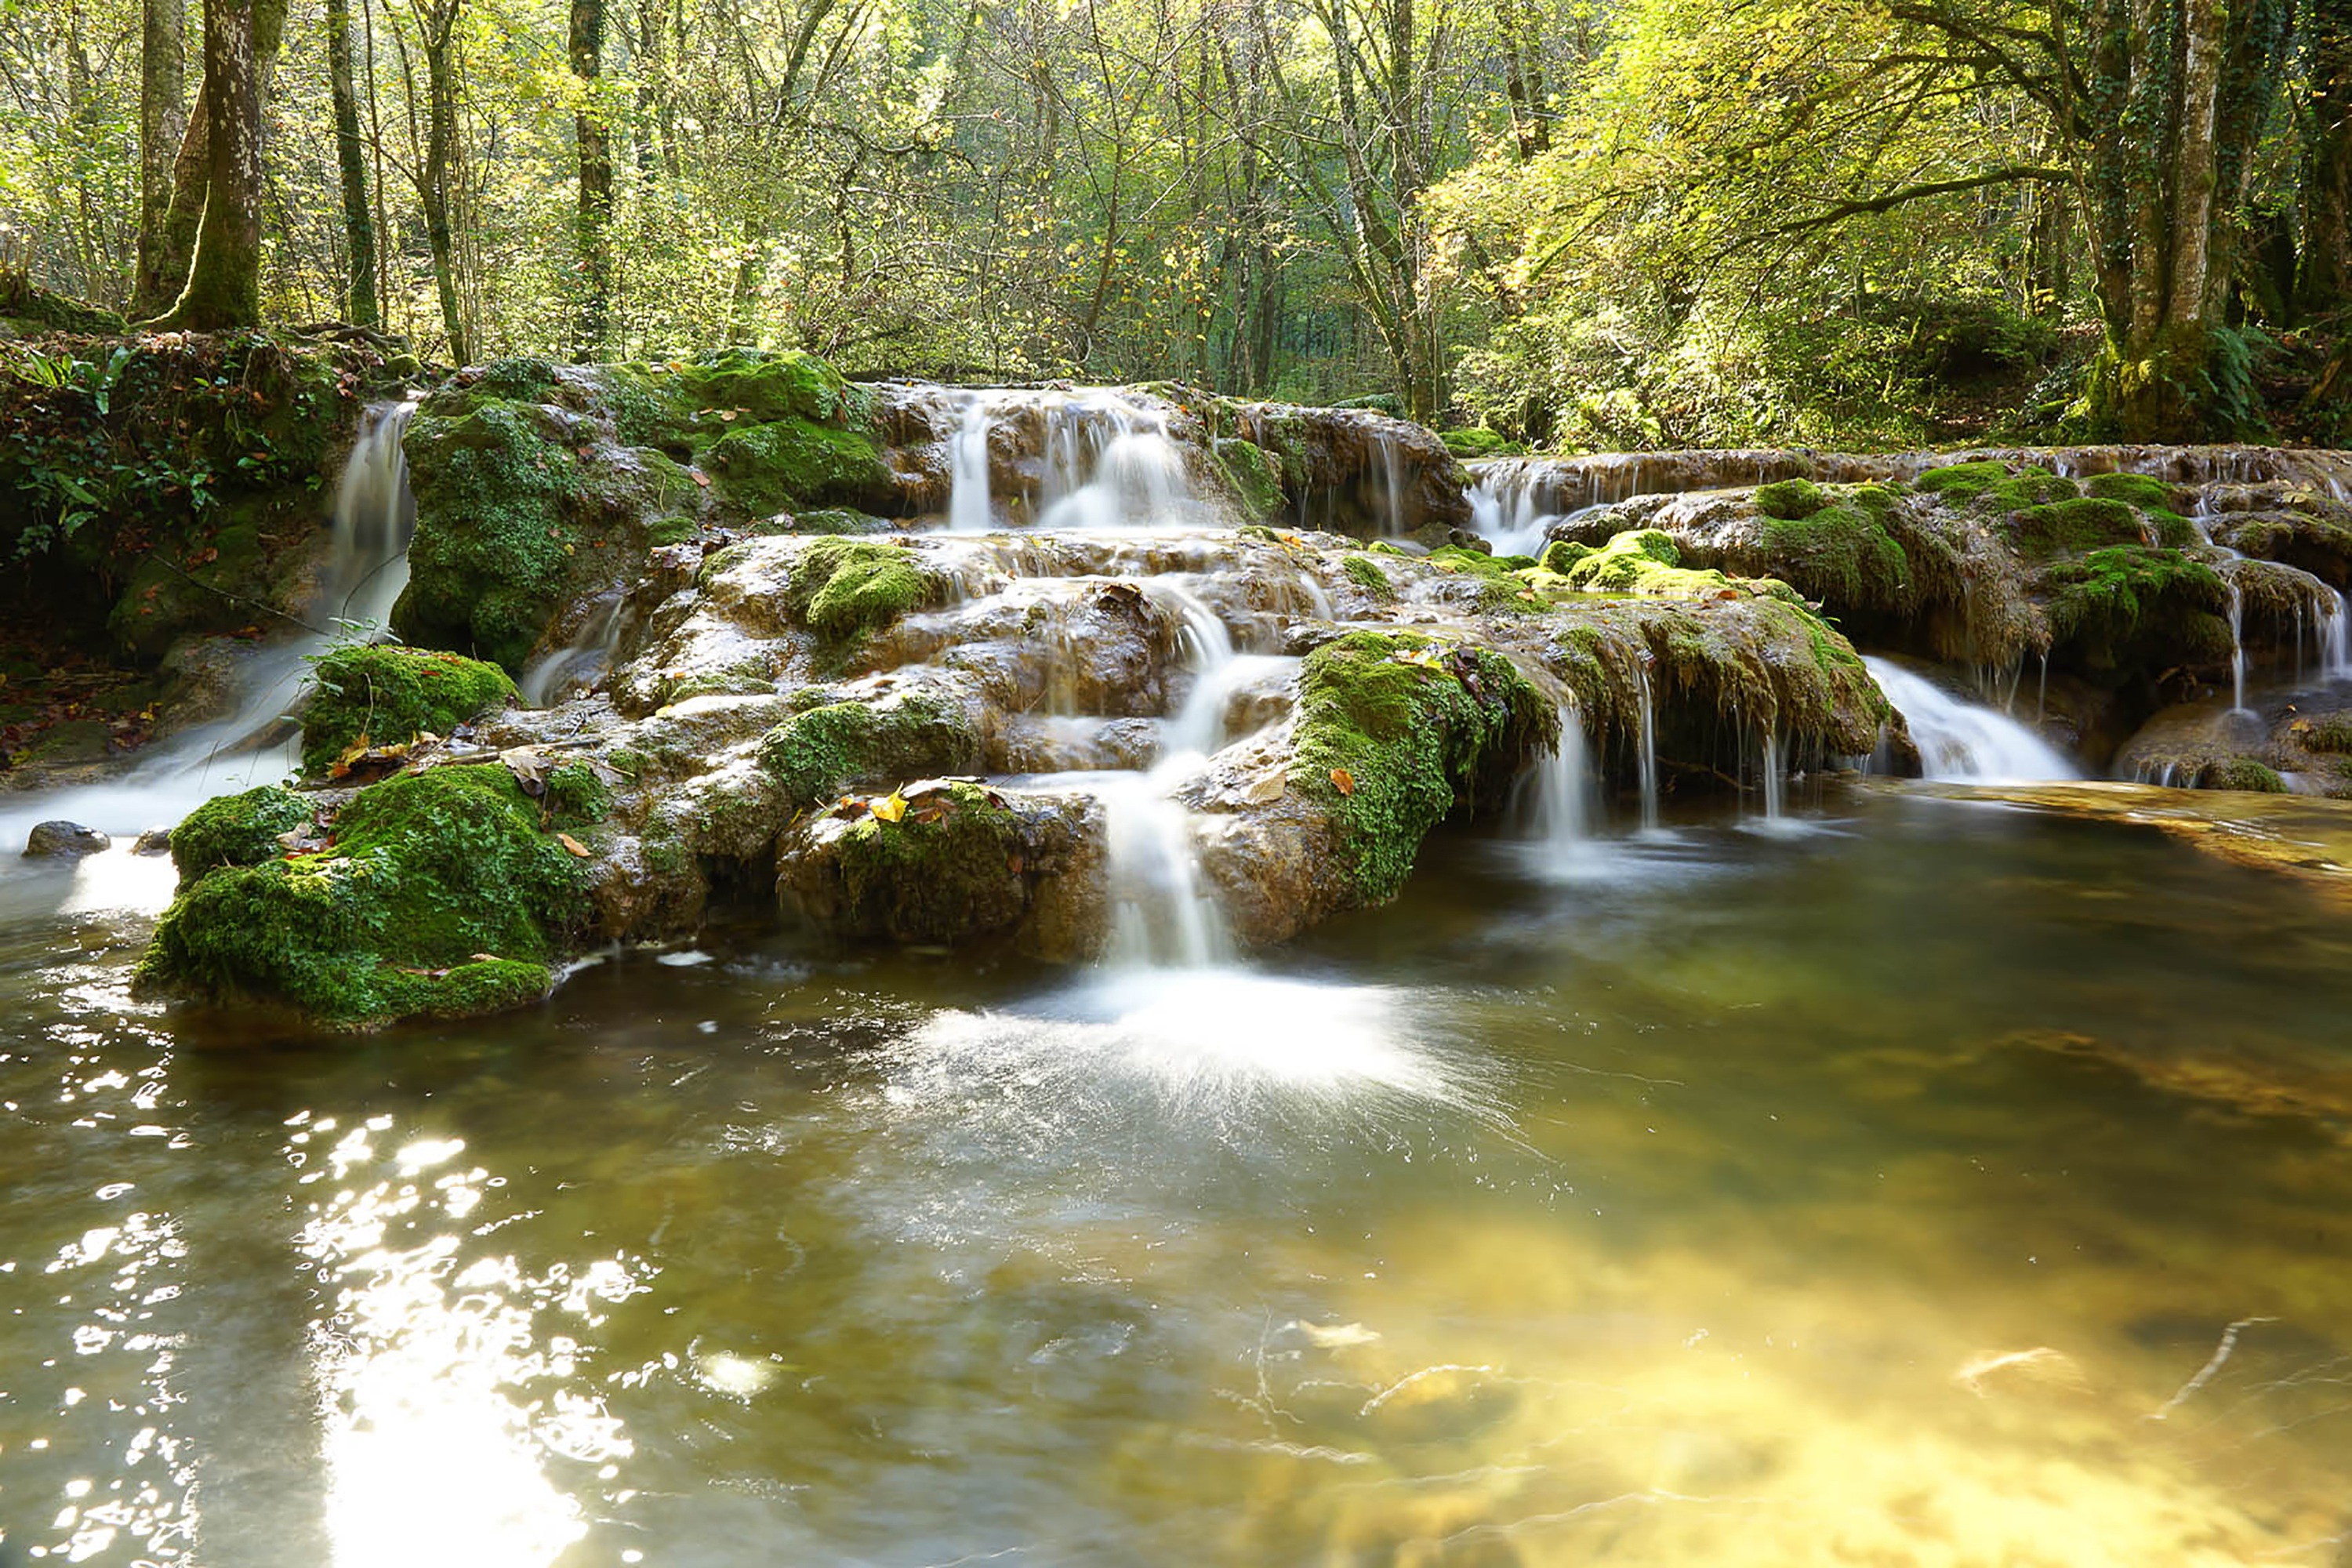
<point x="1956" y="1185"/>
<point x="1963" y="740"/>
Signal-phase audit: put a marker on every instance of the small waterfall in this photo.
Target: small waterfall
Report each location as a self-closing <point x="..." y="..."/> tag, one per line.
<point x="576" y="667"/>
<point x="367" y="566"/>
<point x="2237" y="600"/>
<point x="969" y="510"/>
<point x="1647" y="757"/>
<point x="2336" y="638"/>
<point x="1392" y="485"/>
<point x="1109" y="463"/>
<point x="1553" y="804"/>
<point x="1966" y="741"/>
<point x="1506" y="507"/>
<point x="1776" y="786"/>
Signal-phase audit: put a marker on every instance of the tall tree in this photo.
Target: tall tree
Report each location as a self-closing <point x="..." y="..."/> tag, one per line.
<point x="163" y="119"/>
<point x="436" y="23"/>
<point x="351" y="165"/>
<point x="224" y="286"/>
<point x="591" y="327"/>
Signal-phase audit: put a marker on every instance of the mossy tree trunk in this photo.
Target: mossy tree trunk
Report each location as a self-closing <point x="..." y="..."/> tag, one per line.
<point x="163" y="122"/>
<point x="224" y="286"/>
<point x="351" y="161"/>
<point x="592" y="325"/>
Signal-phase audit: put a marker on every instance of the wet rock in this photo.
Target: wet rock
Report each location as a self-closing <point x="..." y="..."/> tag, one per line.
<point x="63" y="840"/>
<point x="154" y="841"/>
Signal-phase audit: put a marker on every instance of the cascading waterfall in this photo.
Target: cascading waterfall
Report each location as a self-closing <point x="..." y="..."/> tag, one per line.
<point x="1966" y="740"/>
<point x="1110" y="463"/>
<point x="2336" y="638"/>
<point x="1776" y="799"/>
<point x="368" y="567"/>
<point x="969" y="510"/>
<point x="1392" y="485"/>
<point x="1647" y="757"/>
<point x="2237" y="603"/>
<point x="1506" y="508"/>
<point x="576" y="667"/>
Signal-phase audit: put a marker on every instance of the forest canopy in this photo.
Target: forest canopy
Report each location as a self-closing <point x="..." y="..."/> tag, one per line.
<point x="1653" y="222"/>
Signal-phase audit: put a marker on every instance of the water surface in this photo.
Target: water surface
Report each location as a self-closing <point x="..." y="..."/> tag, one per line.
<point x="1942" y="1185"/>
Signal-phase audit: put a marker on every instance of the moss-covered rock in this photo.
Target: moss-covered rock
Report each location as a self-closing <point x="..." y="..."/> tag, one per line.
<point x="238" y="830"/>
<point x="387" y="694"/>
<point x="1366" y="573"/>
<point x="2116" y="605"/>
<point x="1473" y="443"/>
<point x="2075" y="527"/>
<point x="1255" y="474"/>
<point x="2241" y="773"/>
<point x="815" y="754"/>
<point x="1395" y="729"/>
<point x="789" y="463"/>
<point x="440" y="895"/>
<point x="843" y="589"/>
<point x="763" y="384"/>
<point x="2133" y="489"/>
<point x="948" y="869"/>
<point x="1789" y="501"/>
<point x="1989" y="480"/>
<point x="1842" y="554"/>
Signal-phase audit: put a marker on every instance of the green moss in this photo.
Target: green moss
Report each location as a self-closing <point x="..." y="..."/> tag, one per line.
<point x="1841" y="556"/>
<point x="2329" y="732"/>
<point x="1414" y="739"/>
<point x="843" y="589"/>
<point x="389" y="694"/>
<point x="671" y="530"/>
<point x="2073" y="527"/>
<point x="1366" y="573"/>
<point x="439" y="896"/>
<point x="1561" y="554"/>
<point x="1254" y="473"/>
<point x="815" y="753"/>
<point x="788" y="463"/>
<point x="1790" y="501"/>
<point x="1386" y="547"/>
<point x="1963" y="481"/>
<point x="1645" y="562"/>
<point x="1474" y="443"/>
<point x="238" y="830"/>
<point x="839" y="519"/>
<point x="2129" y="599"/>
<point x="496" y="489"/>
<point x="767" y="386"/>
<point x="1455" y="558"/>
<point x="523" y="378"/>
<point x="2132" y="490"/>
<point x="2241" y="773"/>
<point x="934" y="876"/>
<point x="37" y="309"/>
<point x="577" y="794"/>
<point x="1990" y="479"/>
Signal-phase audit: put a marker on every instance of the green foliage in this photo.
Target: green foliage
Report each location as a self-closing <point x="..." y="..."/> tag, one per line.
<point x="765" y="386"/>
<point x="815" y="754"/>
<point x="2330" y="732"/>
<point x="238" y="830"/>
<point x="425" y="872"/>
<point x="388" y="694"/>
<point x="577" y="796"/>
<point x="1412" y="739"/>
<point x="843" y="589"/>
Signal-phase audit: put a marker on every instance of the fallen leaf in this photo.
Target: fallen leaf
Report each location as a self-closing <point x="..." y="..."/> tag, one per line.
<point x="1343" y="781"/>
<point x="890" y="808"/>
<point x="574" y="845"/>
<point x="701" y="478"/>
<point x="729" y="415"/>
<point x="1266" y="788"/>
<point x="1014" y="865"/>
<point x="482" y="958"/>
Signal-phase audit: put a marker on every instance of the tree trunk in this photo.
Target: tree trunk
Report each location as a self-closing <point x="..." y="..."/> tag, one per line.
<point x="224" y="287"/>
<point x="163" y="122"/>
<point x="2323" y="285"/>
<point x="359" y="220"/>
<point x="437" y="25"/>
<point x="593" y="324"/>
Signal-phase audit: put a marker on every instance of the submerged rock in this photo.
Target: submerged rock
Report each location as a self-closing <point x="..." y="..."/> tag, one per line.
<point x="62" y="840"/>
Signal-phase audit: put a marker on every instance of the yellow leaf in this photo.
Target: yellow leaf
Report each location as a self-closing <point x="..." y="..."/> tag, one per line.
<point x="889" y="810"/>
<point x="574" y="845"/>
<point x="1343" y="781"/>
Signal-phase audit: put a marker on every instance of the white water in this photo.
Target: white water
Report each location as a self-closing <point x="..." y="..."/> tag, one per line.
<point x="1648" y="756"/>
<point x="969" y="510"/>
<point x="1554" y="805"/>
<point x="1959" y="740"/>
<point x="256" y="743"/>
<point x="576" y="667"/>
<point x="1392" y="485"/>
<point x="1775" y="798"/>
<point x="1506" y="508"/>
<point x="2336" y="640"/>
<point x="1110" y="464"/>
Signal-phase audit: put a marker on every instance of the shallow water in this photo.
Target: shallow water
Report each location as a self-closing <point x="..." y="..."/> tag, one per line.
<point x="1884" y="1193"/>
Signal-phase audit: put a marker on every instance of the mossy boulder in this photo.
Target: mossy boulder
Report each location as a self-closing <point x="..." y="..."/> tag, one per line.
<point x="792" y="462"/>
<point x="2075" y="527"/>
<point x="2243" y="773"/>
<point x="813" y="754"/>
<point x="1842" y="554"/>
<point x="1254" y="474"/>
<point x="238" y="830"/>
<point x="440" y="895"/>
<point x="1789" y="501"/>
<point x="1475" y="442"/>
<point x="387" y="694"/>
<point x="1396" y="729"/>
<point x="949" y="869"/>
<point x="843" y="589"/>
<point x="1368" y="574"/>
<point x="763" y="385"/>
<point x="2133" y="489"/>
<point x="1989" y="480"/>
<point x="2128" y="603"/>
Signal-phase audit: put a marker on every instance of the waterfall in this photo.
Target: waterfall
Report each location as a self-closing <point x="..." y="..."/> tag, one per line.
<point x="2336" y="638"/>
<point x="574" y="668"/>
<point x="1392" y="485"/>
<point x="2237" y="599"/>
<point x="1553" y="804"/>
<point x="1506" y="507"/>
<point x="1648" y="755"/>
<point x="1109" y="463"/>
<point x="1966" y="741"/>
<point x="968" y="502"/>
<point x="367" y="568"/>
<point x="1776" y="799"/>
